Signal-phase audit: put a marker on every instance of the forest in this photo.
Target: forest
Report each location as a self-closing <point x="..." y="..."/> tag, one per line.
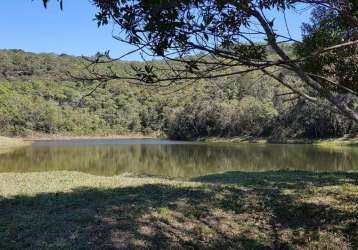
<point x="39" y="95"/>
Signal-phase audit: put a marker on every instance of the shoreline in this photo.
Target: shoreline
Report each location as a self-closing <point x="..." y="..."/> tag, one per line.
<point x="86" y="137"/>
<point x="330" y="142"/>
<point x="17" y="141"/>
<point x="8" y="144"/>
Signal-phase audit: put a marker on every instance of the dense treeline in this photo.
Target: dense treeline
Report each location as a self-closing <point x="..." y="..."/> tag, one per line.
<point x="36" y="95"/>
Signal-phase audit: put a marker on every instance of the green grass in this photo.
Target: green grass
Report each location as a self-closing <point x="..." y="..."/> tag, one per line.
<point x="348" y="141"/>
<point x="8" y="144"/>
<point x="232" y="210"/>
<point x="339" y="142"/>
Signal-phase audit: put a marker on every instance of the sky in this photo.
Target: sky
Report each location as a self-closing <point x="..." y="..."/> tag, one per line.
<point x="27" y="25"/>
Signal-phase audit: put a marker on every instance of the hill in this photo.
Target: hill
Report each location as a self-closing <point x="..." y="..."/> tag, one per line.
<point x="37" y="95"/>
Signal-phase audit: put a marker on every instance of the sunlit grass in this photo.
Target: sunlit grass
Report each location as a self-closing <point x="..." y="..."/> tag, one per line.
<point x="232" y="210"/>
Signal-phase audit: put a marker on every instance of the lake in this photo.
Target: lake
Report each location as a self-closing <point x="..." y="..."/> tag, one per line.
<point x="108" y="157"/>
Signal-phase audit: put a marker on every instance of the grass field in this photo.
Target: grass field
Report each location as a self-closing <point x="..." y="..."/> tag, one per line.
<point x="232" y="210"/>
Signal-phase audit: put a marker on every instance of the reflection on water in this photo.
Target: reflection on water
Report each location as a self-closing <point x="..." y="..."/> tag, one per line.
<point x="172" y="159"/>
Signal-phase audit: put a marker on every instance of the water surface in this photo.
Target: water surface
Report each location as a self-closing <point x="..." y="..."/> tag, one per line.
<point x="173" y="158"/>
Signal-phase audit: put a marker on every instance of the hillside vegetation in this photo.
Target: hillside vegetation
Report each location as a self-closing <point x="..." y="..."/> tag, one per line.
<point x="37" y="95"/>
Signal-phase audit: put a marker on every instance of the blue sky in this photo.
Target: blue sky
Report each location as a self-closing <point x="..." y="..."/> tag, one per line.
<point x="26" y="25"/>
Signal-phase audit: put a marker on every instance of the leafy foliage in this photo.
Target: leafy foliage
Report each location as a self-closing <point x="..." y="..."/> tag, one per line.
<point x="327" y="28"/>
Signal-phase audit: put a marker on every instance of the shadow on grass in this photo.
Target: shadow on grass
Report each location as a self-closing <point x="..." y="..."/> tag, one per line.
<point x="250" y="215"/>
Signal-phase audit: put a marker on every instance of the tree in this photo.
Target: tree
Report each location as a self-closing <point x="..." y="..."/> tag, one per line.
<point x="339" y="67"/>
<point x="207" y="39"/>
